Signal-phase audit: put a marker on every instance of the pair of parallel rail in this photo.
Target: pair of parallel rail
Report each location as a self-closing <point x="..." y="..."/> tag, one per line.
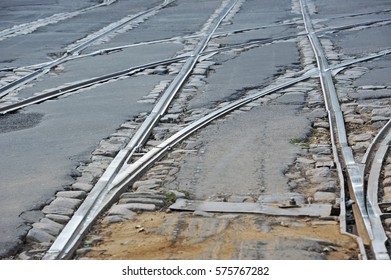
<point x="121" y="173"/>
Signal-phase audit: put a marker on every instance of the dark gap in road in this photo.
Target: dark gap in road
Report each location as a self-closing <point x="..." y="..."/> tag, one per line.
<point x="19" y="121"/>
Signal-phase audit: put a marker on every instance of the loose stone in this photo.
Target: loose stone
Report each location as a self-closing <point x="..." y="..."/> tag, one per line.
<point x="319" y="175"/>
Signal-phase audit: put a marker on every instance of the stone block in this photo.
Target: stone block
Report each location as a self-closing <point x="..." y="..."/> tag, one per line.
<point x="82" y="186"/>
<point x="325" y="197"/>
<point x="66" y="202"/>
<point x="72" y="194"/>
<point x="40" y="236"/>
<point x="139" y="206"/>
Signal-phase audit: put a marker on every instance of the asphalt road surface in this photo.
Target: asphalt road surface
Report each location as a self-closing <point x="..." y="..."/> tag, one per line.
<point x="43" y="145"/>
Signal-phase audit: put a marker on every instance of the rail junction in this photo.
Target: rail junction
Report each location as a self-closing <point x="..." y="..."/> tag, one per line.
<point x="258" y="131"/>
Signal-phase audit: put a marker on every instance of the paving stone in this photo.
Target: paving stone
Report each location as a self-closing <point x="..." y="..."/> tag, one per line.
<point x="37" y="235"/>
<point x="325" y="197"/>
<point x="360" y="138"/>
<point x="87" y="178"/>
<point x="82" y="186"/>
<point x="356" y="121"/>
<point x="121" y="211"/>
<point x="155" y="195"/>
<point x="61" y="219"/>
<point x="203" y="214"/>
<point x="51" y="209"/>
<point x="169" y="118"/>
<point x="139" y="206"/>
<point x="147" y="188"/>
<point x="93" y="170"/>
<point x="229" y="216"/>
<point x="281" y="198"/>
<point x="147" y="183"/>
<point x="49" y="226"/>
<point x="321" y="125"/>
<point x="383" y="112"/>
<point x="305" y="160"/>
<point x="360" y="146"/>
<point x="66" y="202"/>
<point x="329" y="164"/>
<point x="156" y="202"/>
<point x="114" y="219"/>
<point x="328" y="187"/>
<point x="200" y="71"/>
<point x="32" y="216"/>
<point x="24" y="256"/>
<point x="177" y="194"/>
<point x="320" y="149"/>
<point x="387" y="182"/>
<point x="387" y="173"/>
<point x="321" y="158"/>
<point x="72" y="194"/>
<point x="319" y="175"/>
<point x="387" y="190"/>
<point x="387" y="222"/>
<point x="318" y="113"/>
<point x="111" y="147"/>
<point x="240" y="198"/>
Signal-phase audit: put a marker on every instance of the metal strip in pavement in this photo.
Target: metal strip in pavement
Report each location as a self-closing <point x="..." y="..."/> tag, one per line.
<point x="306" y="210"/>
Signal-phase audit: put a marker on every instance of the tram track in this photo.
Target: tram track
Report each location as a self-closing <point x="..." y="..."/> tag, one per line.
<point x="372" y="231"/>
<point x="29" y="27"/>
<point x="78" y="48"/>
<point x="64" y="247"/>
<point x="133" y="161"/>
<point x="73" y="53"/>
<point x="74" y="86"/>
<point x="127" y="173"/>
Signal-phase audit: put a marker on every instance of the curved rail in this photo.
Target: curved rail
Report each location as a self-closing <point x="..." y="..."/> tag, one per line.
<point x="47" y="67"/>
<point x="85" y="83"/>
<point x="337" y="125"/>
<point x="29" y="27"/>
<point x="98" y="200"/>
<point x="373" y="161"/>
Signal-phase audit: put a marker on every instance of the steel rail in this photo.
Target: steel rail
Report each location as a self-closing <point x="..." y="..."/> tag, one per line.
<point x="103" y="196"/>
<point x="120" y="173"/>
<point x="8" y="32"/>
<point x="85" y="83"/>
<point x="64" y="246"/>
<point x="337" y="124"/>
<point x="101" y="79"/>
<point x="69" y="55"/>
<point x="373" y="161"/>
<point x="45" y="69"/>
<point x="117" y="26"/>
